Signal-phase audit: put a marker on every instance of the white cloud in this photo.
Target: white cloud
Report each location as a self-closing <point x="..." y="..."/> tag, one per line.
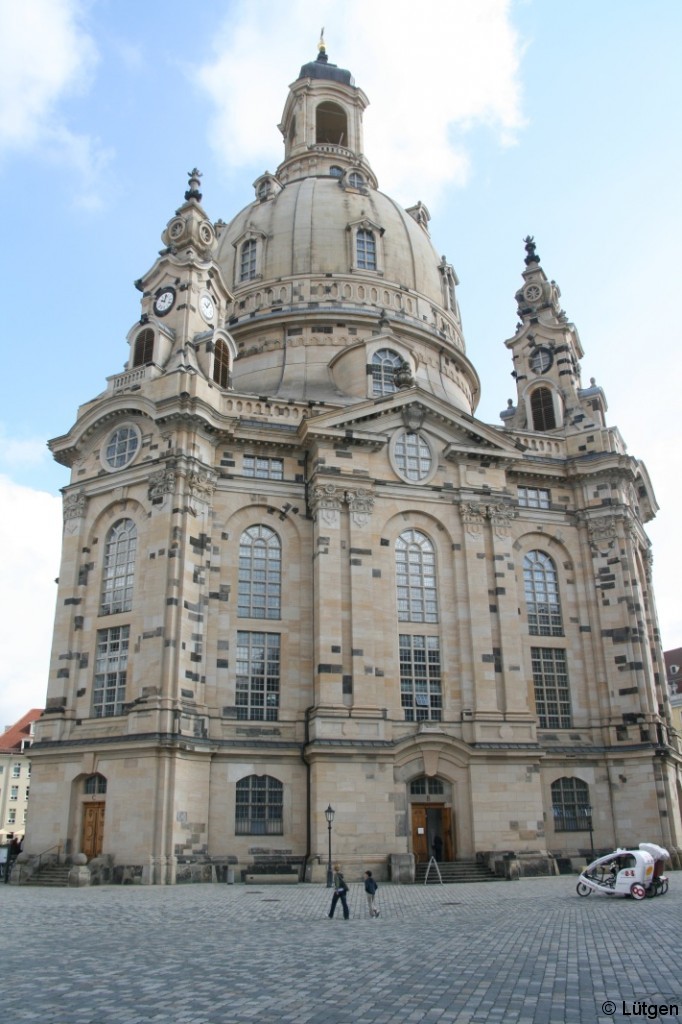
<point x="21" y="452"/>
<point x="30" y="540"/>
<point x="47" y="58"/>
<point x="431" y="81"/>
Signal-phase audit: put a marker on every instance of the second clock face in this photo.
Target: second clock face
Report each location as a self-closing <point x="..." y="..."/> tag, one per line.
<point x="206" y="306"/>
<point x="541" y="360"/>
<point x="164" y="301"/>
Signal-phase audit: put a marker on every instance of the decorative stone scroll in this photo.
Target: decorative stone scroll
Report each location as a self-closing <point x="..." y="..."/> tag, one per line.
<point x="201" y="485"/>
<point x="325" y="503"/>
<point x="73" y="510"/>
<point x="161" y="483"/>
<point x="501" y="516"/>
<point x="360" y="504"/>
<point x="473" y="517"/>
<point x="602" y="533"/>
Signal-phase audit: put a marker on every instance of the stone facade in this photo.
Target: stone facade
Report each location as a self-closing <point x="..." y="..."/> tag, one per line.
<point x="297" y="570"/>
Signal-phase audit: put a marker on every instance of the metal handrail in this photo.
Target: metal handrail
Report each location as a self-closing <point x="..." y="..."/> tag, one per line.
<point x="57" y="847"/>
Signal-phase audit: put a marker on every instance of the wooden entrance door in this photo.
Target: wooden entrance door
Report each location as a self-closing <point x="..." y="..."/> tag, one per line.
<point x="428" y="822"/>
<point x="93" y="829"/>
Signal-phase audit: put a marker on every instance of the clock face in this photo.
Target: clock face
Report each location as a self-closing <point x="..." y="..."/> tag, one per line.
<point x="206" y="306"/>
<point x="164" y="301"/>
<point x="541" y="360"/>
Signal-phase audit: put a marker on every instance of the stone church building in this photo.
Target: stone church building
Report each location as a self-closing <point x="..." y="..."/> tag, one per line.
<point x="298" y="571"/>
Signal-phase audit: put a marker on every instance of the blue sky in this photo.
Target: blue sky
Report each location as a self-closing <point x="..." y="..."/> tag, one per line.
<point x="558" y="118"/>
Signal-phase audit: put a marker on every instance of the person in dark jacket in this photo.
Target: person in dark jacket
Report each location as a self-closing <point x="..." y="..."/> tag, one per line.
<point x="371" y="891"/>
<point x="340" y="890"/>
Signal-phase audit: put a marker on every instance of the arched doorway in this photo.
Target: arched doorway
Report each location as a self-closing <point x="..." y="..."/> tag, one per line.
<point x="92" y="830"/>
<point x="432" y="820"/>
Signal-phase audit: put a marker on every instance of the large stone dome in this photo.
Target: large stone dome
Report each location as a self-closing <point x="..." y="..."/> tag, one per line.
<point x="307" y="229"/>
<point x="324" y="263"/>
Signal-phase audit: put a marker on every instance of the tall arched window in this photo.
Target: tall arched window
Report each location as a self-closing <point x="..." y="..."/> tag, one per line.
<point x="247" y="260"/>
<point x="221" y="364"/>
<point x="331" y="124"/>
<point x="143" y="352"/>
<point x="541" y="587"/>
<point x="385" y="362"/>
<point x="259" y="806"/>
<point x="260" y="574"/>
<point x="366" y="249"/>
<point x="571" y="808"/>
<point x="542" y="409"/>
<point x="118" y="571"/>
<point x="416" y="578"/>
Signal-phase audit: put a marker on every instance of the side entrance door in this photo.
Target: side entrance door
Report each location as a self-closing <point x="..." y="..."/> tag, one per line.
<point x="430" y="823"/>
<point x="93" y="829"/>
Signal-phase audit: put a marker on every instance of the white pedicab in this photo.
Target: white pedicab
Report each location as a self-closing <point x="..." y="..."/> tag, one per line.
<point x="637" y="873"/>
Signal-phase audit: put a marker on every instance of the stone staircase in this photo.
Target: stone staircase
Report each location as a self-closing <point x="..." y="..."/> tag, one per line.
<point x="455" y="872"/>
<point x="50" y="875"/>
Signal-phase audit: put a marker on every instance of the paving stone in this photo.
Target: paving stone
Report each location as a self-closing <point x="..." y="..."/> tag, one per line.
<point x="528" y="952"/>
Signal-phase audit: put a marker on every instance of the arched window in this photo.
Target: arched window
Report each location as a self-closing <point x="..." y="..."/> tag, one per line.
<point x="143" y="352"/>
<point x="356" y="180"/>
<point x="416" y="578"/>
<point x="336" y="172"/>
<point x="426" y="786"/>
<point x="571" y="808"/>
<point x="247" y="260"/>
<point x="95" y="784"/>
<point x="366" y="249"/>
<point x="542" y="409"/>
<point x="331" y="124"/>
<point x="259" y="806"/>
<point x="385" y="362"/>
<point x="260" y="574"/>
<point x="221" y="364"/>
<point x="118" y="571"/>
<point x="541" y="586"/>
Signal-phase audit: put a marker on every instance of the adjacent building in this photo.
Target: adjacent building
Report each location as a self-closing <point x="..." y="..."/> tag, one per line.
<point x="15" y="774"/>
<point x="298" y="571"/>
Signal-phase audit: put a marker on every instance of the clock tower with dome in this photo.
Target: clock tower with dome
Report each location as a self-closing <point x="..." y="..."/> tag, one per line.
<point x="299" y="572"/>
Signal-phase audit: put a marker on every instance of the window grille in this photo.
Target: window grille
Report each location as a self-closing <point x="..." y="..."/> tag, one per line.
<point x="258" y="676"/>
<point x="259" y="806"/>
<point x="420" y="678"/>
<point x="552" y="696"/>
<point x="260" y="574"/>
<point x="541" y="587"/>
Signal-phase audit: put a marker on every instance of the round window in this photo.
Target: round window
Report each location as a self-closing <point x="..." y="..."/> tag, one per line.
<point x="412" y="456"/>
<point x="122" y="447"/>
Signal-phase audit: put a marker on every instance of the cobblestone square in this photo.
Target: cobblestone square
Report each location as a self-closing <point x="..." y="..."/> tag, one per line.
<point x="531" y="952"/>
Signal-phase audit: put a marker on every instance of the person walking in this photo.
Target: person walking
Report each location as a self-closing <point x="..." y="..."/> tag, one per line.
<point x="371" y="891"/>
<point x="340" y="890"/>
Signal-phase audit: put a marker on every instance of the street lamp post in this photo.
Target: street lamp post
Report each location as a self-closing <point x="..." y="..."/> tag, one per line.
<point x="329" y="815"/>
<point x="588" y="815"/>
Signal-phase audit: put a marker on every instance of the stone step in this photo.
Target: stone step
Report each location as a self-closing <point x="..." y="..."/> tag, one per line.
<point x="455" y="872"/>
<point x="51" y="875"/>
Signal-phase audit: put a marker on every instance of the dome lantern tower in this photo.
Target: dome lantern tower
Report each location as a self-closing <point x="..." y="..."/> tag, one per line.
<point x="322" y="123"/>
